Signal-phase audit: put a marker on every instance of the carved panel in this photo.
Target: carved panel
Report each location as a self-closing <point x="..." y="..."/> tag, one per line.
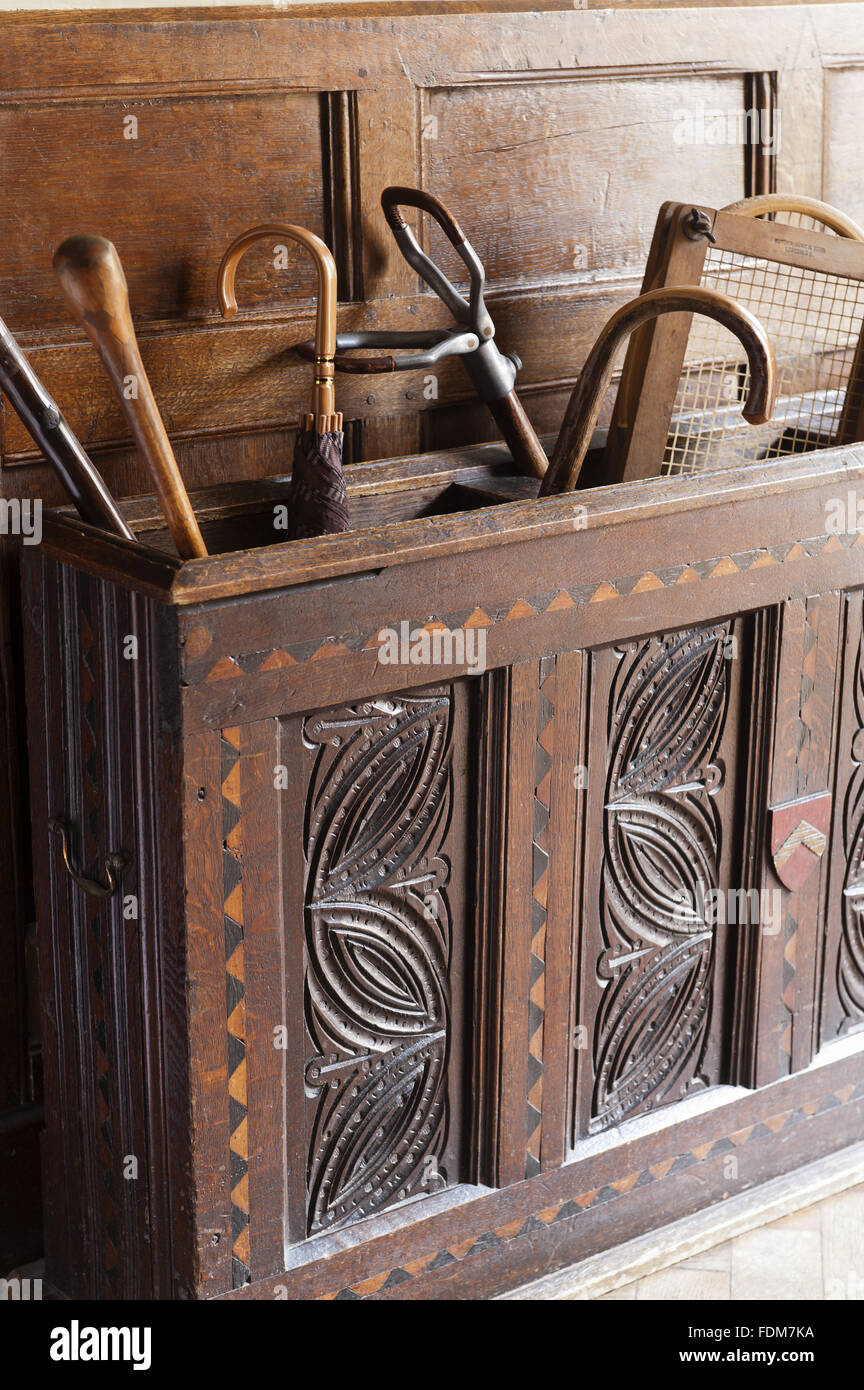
<point x="661" y="853"/>
<point x="379" y="949"/>
<point x="850" y="958"/>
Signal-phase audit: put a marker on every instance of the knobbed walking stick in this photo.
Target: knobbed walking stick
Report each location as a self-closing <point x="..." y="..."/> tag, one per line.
<point x="94" y="286"/>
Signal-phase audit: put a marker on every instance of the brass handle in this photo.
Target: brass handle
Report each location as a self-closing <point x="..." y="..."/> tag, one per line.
<point x="114" y="865"/>
<point x="323" y="417"/>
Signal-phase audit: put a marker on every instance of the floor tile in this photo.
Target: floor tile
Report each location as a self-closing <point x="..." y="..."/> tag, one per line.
<point x="626" y="1293"/>
<point x="843" y="1245"/>
<point x="777" y="1264"/>
<point x="679" y="1284"/>
<point x="816" y="1253"/>
<point x="718" y="1257"/>
<point x="810" y="1219"/>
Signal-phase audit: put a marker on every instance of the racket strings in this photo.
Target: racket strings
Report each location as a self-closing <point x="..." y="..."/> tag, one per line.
<point x="814" y="321"/>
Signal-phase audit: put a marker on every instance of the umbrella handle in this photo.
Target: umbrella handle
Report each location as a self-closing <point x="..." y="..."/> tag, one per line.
<point x="585" y="402"/>
<point x="323" y="417"/>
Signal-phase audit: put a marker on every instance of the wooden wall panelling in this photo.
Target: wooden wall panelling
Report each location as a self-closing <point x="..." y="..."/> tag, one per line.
<point x="211" y="164"/>
<point x="342" y="191"/>
<point x="842" y="98"/>
<point x="372" y="125"/>
<point x="760" y="153"/>
<point x="528" y="141"/>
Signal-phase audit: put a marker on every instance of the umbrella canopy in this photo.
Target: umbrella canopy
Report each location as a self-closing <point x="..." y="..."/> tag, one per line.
<point x="318" y="501"/>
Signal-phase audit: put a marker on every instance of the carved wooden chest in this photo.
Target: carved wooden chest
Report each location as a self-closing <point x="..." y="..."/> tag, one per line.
<point x="425" y="975"/>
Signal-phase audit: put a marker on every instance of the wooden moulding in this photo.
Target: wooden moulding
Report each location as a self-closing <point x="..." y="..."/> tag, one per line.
<point x="149" y="569"/>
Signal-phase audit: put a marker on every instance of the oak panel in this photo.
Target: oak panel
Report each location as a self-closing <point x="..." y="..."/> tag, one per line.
<point x="198" y="171"/>
<point x="558" y="181"/>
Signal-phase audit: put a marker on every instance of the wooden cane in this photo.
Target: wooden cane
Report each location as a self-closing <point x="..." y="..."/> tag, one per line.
<point x="583" y="409"/>
<point x="94" y="286"/>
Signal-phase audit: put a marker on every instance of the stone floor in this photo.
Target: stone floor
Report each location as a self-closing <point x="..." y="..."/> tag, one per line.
<point x="817" y="1253"/>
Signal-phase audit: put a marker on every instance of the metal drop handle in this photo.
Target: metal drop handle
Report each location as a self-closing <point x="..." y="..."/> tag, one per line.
<point x="114" y="865"/>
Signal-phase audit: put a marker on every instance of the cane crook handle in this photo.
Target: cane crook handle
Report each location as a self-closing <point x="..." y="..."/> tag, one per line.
<point x="114" y="865"/>
<point x="764" y="204"/>
<point x="585" y="402"/>
<point x="325" y="309"/>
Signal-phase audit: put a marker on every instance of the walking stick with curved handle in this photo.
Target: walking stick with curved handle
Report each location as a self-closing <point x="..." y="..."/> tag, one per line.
<point x="94" y="286"/>
<point x="584" y="406"/>
<point x="323" y="418"/>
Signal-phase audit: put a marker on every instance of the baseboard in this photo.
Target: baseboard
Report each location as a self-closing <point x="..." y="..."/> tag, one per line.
<point x="691" y="1235"/>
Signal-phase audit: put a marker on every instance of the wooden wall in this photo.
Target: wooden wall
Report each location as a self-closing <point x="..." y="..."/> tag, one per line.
<point x="552" y="136"/>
